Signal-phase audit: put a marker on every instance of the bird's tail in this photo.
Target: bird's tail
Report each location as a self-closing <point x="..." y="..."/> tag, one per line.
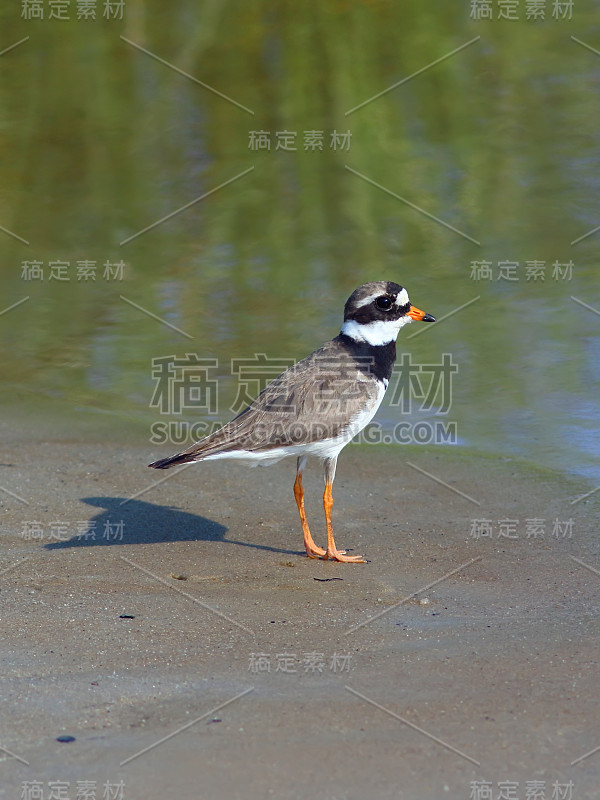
<point x="222" y="439"/>
<point x="173" y="461"/>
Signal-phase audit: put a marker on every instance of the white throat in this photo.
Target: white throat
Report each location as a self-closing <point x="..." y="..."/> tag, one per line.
<point x="376" y="333"/>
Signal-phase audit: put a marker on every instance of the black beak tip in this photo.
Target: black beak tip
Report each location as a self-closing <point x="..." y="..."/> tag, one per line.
<point x="428" y="318"/>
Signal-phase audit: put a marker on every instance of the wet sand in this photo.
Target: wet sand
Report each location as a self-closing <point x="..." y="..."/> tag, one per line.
<point x="198" y="590"/>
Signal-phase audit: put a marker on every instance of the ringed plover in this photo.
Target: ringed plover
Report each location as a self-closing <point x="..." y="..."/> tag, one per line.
<point x="317" y="406"/>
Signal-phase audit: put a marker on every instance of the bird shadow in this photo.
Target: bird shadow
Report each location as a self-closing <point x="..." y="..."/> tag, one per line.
<point x="125" y="522"/>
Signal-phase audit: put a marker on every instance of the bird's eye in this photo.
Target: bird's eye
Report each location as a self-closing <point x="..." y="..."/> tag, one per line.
<point x="384" y="303"/>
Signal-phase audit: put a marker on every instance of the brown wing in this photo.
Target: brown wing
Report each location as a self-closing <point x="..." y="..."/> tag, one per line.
<point x="313" y="400"/>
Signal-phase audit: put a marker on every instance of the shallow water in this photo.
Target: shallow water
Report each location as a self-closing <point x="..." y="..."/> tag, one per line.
<point x="500" y="141"/>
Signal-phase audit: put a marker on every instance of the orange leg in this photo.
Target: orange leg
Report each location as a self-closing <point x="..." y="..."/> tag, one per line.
<point x="332" y="551"/>
<point x="312" y="551"/>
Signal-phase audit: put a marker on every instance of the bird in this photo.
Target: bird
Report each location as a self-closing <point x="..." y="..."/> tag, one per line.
<point x="315" y="407"/>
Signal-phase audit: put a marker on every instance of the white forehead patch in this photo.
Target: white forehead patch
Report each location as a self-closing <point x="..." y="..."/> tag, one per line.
<point x="402" y="298"/>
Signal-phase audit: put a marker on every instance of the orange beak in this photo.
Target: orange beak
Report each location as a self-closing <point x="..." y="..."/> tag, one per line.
<point x="421" y="316"/>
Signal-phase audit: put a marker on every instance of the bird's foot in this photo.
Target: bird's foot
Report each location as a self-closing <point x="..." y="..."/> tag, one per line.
<point x="313" y="550"/>
<point x="338" y="555"/>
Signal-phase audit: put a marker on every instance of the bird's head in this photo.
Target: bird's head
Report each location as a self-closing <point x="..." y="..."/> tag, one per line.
<point x="375" y="312"/>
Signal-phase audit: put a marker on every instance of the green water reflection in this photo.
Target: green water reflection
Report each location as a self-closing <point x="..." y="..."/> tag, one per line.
<point x="501" y="141"/>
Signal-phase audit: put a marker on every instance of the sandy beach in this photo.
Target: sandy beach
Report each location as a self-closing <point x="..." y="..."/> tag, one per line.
<point x="191" y="614"/>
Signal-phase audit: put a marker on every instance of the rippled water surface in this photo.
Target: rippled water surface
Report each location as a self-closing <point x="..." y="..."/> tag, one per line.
<point x="490" y="155"/>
